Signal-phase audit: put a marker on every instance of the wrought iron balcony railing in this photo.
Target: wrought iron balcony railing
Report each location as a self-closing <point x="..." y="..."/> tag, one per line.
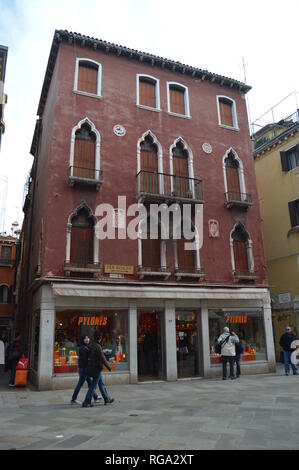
<point x="5" y="261"/>
<point x="89" y="176"/>
<point x="234" y="198"/>
<point x="170" y="187"/>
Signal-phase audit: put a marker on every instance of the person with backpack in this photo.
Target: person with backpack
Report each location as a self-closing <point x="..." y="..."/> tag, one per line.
<point x="13" y="356"/>
<point x="94" y="371"/>
<point x="227" y="341"/>
<point x="84" y="352"/>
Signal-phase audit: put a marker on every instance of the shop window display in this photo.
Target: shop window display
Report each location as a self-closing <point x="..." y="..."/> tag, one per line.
<point x="247" y="325"/>
<point x="72" y="325"/>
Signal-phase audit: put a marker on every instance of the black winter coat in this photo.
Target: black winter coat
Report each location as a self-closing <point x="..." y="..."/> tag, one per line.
<point x="84" y="353"/>
<point x="96" y="361"/>
<point x="286" y="340"/>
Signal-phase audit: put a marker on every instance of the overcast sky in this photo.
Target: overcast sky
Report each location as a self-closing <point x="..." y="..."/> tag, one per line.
<point x="209" y="34"/>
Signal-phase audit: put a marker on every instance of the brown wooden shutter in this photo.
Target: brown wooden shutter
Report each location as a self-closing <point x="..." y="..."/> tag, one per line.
<point x="82" y="246"/>
<point x="226" y="113"/>
<point x="177" y="100"/>
<point x="147" y="93"/>
<point x="84" y="158"/>
<point x="284" y="161"/>
<point x="149" y="175"/>
<point x="88" y="78"/>
<point x="186" y="260"/>
<point x="294" y="213"/>
<point x="240" y="256"/>
<point x="181" y="178"/>
<point x="151" y="253"/>
<point x="233" y="183"/>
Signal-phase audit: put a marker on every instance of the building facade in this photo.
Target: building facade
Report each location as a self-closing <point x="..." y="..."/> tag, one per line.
<point x="3" y="96"/>
<point x="276" y="157"/>
<point x="8" y="252"/>
<point x="113" y="123"/>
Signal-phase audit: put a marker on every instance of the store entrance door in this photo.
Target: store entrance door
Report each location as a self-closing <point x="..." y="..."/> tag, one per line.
<point x="188" y="341"/>
<point x="150" y="346"/>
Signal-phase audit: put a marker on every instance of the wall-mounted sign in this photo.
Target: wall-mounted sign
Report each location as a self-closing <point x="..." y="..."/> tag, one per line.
<point x="116" y="276"/>
<point x="100" y="320"/>
<point x="207" y="148"/>
<point x="284" y="298"/>
<point x="118" y="269"/>
<point x="236" y="319"/>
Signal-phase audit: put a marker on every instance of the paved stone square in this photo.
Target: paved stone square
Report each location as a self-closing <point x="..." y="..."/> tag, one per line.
<point x="253" y="412"/>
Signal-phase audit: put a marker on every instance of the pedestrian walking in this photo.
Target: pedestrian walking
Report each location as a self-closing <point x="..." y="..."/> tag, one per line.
<point x="227" y="341"/>
<point x="84" y="352"/>
<point x="13" y="355"/>
<point x="94" y="371"/>
<point x="285" y="342"/>
<point x="107" y="399"/>
<point x="239" y="350"/>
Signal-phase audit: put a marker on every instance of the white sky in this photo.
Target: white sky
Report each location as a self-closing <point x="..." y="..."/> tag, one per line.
<point x="212" y="35"/>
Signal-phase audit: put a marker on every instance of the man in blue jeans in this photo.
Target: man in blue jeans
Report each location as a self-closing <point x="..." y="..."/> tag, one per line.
<point x="285" y="342"/>
<point x="84" y="352"/>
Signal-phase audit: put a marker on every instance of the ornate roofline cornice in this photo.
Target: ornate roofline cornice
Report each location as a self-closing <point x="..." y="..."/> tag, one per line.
<point x="278" y="140"/>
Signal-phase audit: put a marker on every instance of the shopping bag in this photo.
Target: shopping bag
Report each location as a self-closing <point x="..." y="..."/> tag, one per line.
<point x="21" y="378"/>
<point x="23" y="363"/>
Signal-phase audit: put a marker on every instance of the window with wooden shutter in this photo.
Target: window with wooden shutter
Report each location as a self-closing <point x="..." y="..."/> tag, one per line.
<point x="151" y="253"/>
<point x="226" y="112"/>
<point x="82" y="239"/>
<point x="294" y="213"/>
<point x="84" y="154"/>
<point x="147" y="92"/>
<point x="232" y="178"/>
<point x="149" y="166"/>
<point x="240" y="239"/>
<point x="186" y="259"/>
<point x="88" y="77"/>
<point x="4" y="295"/>
<point x="180" y="171"/>
<point x="177" y="100"/>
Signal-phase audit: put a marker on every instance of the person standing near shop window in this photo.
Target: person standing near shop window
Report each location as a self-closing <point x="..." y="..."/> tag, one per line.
<point x="84" y="353"/>
<point x="239" y="351"/>
<point x="285" y="342"/>
<point x="228" y="351"/>
<point x="94" y="372"/>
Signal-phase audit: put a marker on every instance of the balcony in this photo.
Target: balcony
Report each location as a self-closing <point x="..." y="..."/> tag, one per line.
<point x="153" y="271"/>
<point x="86" y="176"/>
<point x="162" y="187"/>
<point x="189" y="273"/>
<point x="238" y="200"/>
<point x="7" y="262"/>
<point x="82" y="268"/>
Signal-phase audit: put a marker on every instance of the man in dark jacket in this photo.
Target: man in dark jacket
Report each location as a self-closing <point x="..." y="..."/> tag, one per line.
<point x="84" y="352"/>
<point x="14" y="354"/>
<point x="285" y="342"/>
<point x="94" y="371"/>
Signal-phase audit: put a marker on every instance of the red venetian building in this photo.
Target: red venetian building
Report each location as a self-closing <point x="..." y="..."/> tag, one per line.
<point x="113" y="122"/>
<point x="8" y="251"/>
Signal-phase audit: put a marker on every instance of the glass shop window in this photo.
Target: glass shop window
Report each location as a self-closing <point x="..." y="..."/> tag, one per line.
<point x="71" y="326"/>
<point x="249" y="327"/>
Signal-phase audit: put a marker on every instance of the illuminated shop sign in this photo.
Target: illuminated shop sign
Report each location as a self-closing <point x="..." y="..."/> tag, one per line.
<point x="100" y="320"/>
<point x="236" y="319"/>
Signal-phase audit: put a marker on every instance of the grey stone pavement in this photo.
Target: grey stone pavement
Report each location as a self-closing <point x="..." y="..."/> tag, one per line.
<point x="253" y="412"/>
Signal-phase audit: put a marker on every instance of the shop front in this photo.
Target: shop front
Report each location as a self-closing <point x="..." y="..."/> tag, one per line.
<point x="147" y="336"/>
